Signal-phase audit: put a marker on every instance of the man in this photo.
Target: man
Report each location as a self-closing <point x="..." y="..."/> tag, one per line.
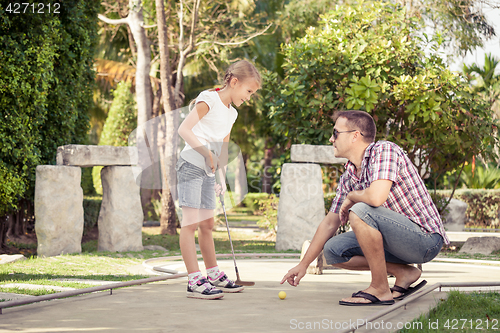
<point x="393" y="219"/>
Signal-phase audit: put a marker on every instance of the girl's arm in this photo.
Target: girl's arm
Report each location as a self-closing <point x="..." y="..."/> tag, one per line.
<point x="223" y="161"/>
<point x="186" y="130"/>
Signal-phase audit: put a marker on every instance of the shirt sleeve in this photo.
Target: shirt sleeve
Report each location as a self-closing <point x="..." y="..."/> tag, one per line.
<point x="235" y="115"/>
<point x="384" y="163"/>
<point x="340" y="195"/>
<point x="206" y="97"/>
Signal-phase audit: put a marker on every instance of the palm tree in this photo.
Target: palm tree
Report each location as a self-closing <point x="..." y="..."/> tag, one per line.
<point x="487" y="86"/>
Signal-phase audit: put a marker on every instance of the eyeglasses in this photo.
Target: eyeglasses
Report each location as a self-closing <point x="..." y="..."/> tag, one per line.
<point x="336" y="133"/>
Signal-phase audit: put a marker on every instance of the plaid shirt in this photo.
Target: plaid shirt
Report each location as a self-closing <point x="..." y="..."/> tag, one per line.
<point x="408" y="195"/>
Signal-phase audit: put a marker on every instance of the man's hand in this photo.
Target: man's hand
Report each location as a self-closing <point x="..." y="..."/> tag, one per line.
<point x="344" y="210"/>
<point x="294" y="275"/>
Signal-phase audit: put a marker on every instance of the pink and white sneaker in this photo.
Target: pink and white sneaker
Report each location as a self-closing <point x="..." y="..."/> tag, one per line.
<point x="224" y="284"/>
<point x="203" y="290"/>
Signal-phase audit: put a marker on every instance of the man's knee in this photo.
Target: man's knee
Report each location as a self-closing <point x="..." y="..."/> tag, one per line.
<point x="354" y="219"/>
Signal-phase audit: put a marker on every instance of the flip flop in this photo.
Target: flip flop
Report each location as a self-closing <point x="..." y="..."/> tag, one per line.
<point x="407" y="292"/>
<point x="373" y="300"/>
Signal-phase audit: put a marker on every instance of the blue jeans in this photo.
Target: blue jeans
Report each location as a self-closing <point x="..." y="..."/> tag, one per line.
<point x="404" y="241"/>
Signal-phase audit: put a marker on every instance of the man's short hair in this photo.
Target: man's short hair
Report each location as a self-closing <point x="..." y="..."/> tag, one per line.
<point x="361" y="121"/>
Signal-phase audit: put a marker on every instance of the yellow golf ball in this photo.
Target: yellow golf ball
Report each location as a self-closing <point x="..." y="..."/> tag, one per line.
<point x="282" y="295"/>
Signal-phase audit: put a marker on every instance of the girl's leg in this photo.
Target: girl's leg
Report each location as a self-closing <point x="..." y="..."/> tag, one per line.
<point x="205" y="237"/>
<point x="190" y="217"/>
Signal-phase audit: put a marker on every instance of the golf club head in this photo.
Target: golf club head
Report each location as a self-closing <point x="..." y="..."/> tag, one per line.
<point x="244" y="283"/>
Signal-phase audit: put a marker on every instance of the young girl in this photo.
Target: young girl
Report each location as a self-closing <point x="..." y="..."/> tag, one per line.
<point x="206" y="131"/>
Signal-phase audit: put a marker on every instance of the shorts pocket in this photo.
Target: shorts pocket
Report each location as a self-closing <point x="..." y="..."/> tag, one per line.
<point x="180" y="163"/>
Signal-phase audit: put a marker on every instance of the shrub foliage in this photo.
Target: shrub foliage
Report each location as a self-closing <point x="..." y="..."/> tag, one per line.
<point x="369" y="56"/>
<point x="46" y="80"/>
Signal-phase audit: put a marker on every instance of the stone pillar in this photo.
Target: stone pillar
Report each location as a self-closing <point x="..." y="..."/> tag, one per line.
<point x="301" y="205"/>
<point x="454" y="218"/>
<point x="58" y="210"/>
<point x="121" y="217"/>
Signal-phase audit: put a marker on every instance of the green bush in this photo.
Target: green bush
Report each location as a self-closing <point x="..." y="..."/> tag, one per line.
<point x="46" y="79"/>
<point x="269" y="208"/>
<point x="87" y="182"/>
<point x="251" y="200"/>
<point x="122" y="117"/>
<point x="483" y="206"/>
<point x="481" y="178"/>
<point x="91" y="209"/>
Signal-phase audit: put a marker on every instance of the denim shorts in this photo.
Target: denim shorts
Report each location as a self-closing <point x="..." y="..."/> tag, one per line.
<point x="404" y="240"/>
<point x="195" y="188"/>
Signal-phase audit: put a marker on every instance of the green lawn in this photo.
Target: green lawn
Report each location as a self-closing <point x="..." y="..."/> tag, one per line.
<point x="461" y="312"/>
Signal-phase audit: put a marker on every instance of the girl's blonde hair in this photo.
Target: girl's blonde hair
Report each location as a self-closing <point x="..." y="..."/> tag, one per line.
<point x="242" y="70"/>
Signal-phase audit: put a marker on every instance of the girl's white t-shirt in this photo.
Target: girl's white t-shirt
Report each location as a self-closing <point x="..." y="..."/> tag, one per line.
<point x="211" y="129"/>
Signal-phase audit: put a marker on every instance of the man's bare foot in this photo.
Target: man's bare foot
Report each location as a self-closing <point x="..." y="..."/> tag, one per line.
<point x="406" y="278"/>
<point x="381" y="295"/>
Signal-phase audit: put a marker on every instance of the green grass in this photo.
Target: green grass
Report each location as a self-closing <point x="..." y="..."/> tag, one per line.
<point x="43" y="271"/>
<point x="461" y="312"/>
<point x="447" y="253"/>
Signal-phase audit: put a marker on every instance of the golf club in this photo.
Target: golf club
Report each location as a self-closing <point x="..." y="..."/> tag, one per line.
<point x="238" y="280"/>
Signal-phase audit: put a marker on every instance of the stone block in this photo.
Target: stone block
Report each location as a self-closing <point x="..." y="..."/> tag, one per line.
<point x="6" y="258"/>
<point x="316" y="266"/>
<point x="301" y="206"/>
<point x="315" y="154"/>
<point x="121" y="217"/>
<point x="481" y="245"/>
<point x="454" y="218"/>
<point x="89" y="156"/>
<point x="58" y="210"/>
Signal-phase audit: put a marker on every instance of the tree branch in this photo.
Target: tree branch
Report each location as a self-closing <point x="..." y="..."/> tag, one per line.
<point x="111" y="21"/>
<point x="193" y="26"/>
<point x="237" y="43"/>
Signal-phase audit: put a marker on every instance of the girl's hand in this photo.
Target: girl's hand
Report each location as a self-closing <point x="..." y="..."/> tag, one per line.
<point x="220" y="189"/>
<point x="212" y="161"/>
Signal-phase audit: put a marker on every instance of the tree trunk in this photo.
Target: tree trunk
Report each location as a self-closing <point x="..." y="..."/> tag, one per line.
<point x="266" y="175"/>
<point x="3" y="232"/>
<point x="168" y="153"/>
<point x="143" y="89"/>
<point x="240" y="180"/>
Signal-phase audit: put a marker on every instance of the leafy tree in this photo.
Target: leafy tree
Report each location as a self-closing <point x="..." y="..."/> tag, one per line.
<point x="486" y="84"/>
<point x="487" y="81"/>
<point x="368" y="56"/>
<point x="45" y="89"/>
<point x="461" y="24"/>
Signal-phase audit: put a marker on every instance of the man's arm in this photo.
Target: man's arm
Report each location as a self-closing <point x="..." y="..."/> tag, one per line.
<point x="375" y="195"/>
<point x="325" y="231"/>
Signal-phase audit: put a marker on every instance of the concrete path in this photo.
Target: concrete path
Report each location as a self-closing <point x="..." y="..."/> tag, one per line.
<point x="163" y="306"/>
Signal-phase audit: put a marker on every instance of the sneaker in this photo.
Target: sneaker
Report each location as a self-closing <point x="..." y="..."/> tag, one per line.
<point x="203" y="290"/>
<point x="225" y="284"/>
